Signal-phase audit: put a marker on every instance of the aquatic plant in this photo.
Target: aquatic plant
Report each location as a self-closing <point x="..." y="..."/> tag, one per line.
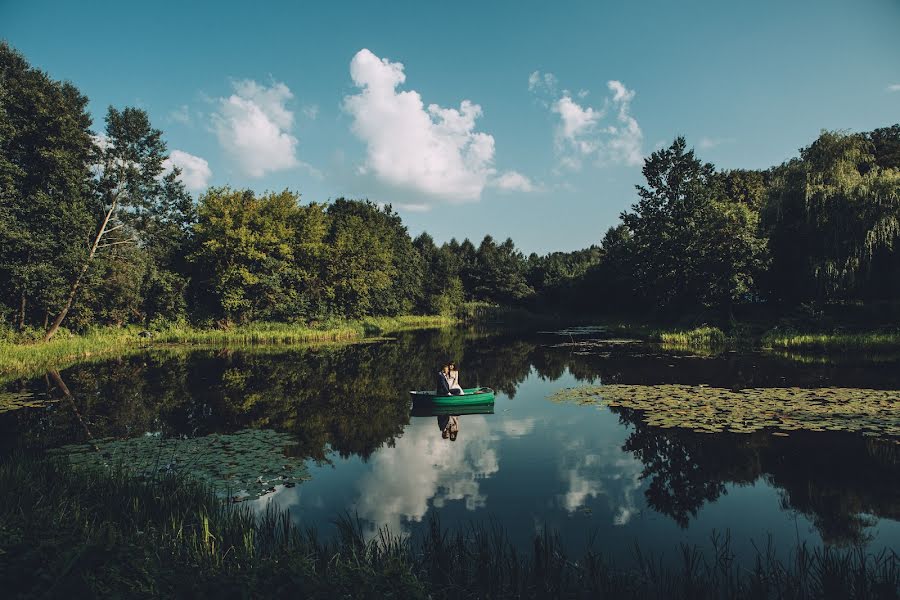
<point x="714" y="410"/>
<point x="831" y="341"/>
<point x="241" y="465"/>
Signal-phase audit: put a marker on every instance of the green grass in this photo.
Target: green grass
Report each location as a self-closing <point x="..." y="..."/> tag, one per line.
<point x="831" y="341"/>
<point x="702" y="337"/>
<point x="92" y="533"/>
<point x="29" y="357"/>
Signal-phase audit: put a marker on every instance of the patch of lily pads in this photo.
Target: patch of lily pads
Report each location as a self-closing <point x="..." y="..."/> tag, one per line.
<point x="18" y="400"/>
<point x="241" y="466"/>
<point x="707" y="409"/>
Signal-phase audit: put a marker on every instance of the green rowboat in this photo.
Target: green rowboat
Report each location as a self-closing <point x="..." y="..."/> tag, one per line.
<point x="470" y="396"/>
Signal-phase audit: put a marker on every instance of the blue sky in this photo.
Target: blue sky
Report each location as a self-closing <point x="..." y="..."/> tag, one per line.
<point x="521" y="119"/>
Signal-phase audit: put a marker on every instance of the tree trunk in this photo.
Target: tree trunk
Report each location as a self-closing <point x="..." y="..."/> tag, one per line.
<point x="71" y="297"/>
<point x="22" y="313"/>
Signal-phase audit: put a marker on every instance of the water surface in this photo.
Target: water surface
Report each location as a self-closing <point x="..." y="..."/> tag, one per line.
<point x="591" y="473"/>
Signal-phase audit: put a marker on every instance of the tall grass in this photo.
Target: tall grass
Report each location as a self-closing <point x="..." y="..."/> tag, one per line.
<point x="66" y="533"/>
<point x="702" y="337"/>
<point x="27" y="357"/>
<point x="831" y="341"/>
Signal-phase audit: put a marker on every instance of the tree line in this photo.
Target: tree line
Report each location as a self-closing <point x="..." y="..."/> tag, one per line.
<point x="95" y="229"/>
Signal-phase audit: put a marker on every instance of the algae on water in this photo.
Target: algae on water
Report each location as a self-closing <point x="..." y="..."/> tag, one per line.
<point x="707" y="409"/>
<point x="242" y="465"/>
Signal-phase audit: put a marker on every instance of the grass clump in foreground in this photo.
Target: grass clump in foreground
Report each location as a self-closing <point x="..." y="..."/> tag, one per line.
<point x="84" y="533"/>
<point x="26" y="357"/>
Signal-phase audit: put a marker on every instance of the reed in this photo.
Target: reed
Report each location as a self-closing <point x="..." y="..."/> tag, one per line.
<point x="702" y="337"/>
<point x="831" y="341"/>
<point x="88" y="533"/>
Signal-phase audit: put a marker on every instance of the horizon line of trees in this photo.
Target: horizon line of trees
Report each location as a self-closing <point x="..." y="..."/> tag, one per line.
<point x="95" y="230"/>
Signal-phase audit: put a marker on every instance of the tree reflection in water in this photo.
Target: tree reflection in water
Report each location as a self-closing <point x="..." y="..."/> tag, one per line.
<point x="351" y="400"/>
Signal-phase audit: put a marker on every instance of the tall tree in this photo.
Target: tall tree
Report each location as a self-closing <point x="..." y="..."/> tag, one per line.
<point x="664" y="223"/>
<point x="830" y="213"/>
<point x="46" y="205"/>
<point x="130" y="188"/>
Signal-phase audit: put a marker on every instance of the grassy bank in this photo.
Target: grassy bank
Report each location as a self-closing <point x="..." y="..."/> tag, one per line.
<point x="68" y="533"/>
<point x="26" y="357"/>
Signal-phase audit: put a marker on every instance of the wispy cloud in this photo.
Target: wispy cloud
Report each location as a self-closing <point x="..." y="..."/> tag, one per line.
<point x="180" y="115"/>
<point x="513" y="181"/>
<point x="706" y="143"/>
<point x="894" y="87"/>
<point x="605" y="135"/>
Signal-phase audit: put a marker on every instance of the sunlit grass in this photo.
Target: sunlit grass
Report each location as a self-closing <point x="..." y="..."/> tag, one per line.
<point x="831" y="341"/>
<point x="31" y="356"/>
<point x="702" y="337"/>
<point x="102" y="534"/>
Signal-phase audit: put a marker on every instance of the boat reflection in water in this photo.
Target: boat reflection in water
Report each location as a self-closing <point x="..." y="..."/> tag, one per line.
<point x="448" y="417"/>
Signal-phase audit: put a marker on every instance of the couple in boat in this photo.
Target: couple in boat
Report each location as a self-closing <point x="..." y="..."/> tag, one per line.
<point x="448" y="380"/>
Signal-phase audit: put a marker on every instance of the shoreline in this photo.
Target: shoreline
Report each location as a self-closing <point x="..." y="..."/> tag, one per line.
<point x="19" y="359"/>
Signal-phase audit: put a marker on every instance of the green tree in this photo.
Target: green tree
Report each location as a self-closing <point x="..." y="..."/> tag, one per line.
<point x="664" y="224"/>
<point x="833" y="215"/>
<point x="46" y="205"/>
<point x="245" y="251"/>
<point x="131" y="189"/>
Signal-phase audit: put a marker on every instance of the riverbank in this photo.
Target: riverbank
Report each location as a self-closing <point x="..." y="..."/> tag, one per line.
<point x="28" y="357"/>
<point x="99" y="533"/>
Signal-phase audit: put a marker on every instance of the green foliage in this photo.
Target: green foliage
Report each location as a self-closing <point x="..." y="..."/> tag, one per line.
<point x="244" y="251"/>
<point x="833" y="217"/>
<point x="46" y="204"/>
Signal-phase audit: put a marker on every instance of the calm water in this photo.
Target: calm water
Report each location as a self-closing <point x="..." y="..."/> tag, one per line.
<point x="586" y="472"/>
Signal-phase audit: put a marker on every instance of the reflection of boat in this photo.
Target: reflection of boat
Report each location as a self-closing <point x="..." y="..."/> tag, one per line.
<point x="470" y="396"/>
<point x="426" y="409"/>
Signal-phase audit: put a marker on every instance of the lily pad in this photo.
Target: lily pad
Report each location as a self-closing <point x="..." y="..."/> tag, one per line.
<point x="708" y="409"/>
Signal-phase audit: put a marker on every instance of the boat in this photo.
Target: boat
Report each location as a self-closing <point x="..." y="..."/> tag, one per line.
<point x="427" y="409"/>
<point x="469" y="397"/>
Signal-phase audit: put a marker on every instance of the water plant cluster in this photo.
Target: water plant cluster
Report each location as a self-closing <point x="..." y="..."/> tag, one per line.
<point x="104" y="533"/>
<point x="241" y="465"/>
<point x="708" y="409"/>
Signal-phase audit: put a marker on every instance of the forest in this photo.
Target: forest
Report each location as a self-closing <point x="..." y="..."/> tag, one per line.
<point x="95" y="230"/>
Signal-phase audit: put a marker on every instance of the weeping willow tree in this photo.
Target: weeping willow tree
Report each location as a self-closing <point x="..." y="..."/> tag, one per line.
<point x="834" y="221"/>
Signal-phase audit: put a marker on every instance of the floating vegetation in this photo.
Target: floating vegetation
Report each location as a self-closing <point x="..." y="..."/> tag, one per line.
<point x="242" y="465"/>
<point x="713" y="410"/>
<point x="701" y="336"/>
<point x="17" y="400"/>
<point x="579" y="330"/>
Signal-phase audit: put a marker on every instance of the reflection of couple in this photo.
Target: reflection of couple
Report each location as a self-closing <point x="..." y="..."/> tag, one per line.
<point x="449" y="425"/>
<point x="448" y="380"/>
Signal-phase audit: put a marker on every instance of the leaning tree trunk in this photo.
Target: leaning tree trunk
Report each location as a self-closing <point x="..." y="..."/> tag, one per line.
<point x="54" y="327"/>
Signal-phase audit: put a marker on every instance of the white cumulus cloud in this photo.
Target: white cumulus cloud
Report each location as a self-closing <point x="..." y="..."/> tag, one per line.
<point x="608" y="134"/>
<point x="254" y="125"/>
<point x="431" y="149"/>
<point x="894" y="87"/>
<point x="195" y="171"/>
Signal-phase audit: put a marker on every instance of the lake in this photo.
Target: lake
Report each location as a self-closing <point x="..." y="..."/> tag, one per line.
<point x="327" y="431"/>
